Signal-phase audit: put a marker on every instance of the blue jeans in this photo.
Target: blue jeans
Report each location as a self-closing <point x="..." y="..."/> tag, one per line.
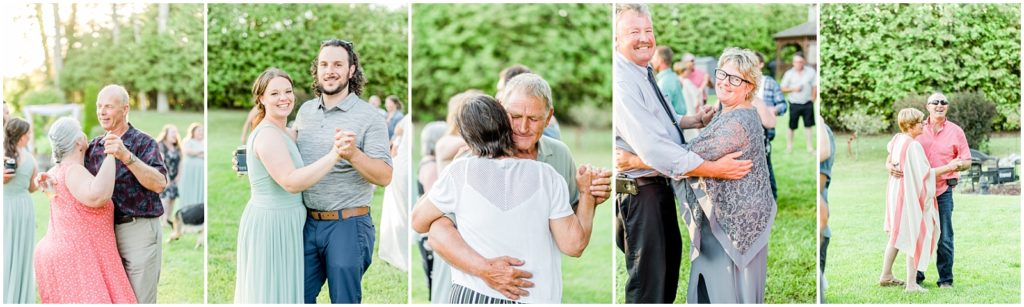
<point x="339" y="252"/>
<point x="944" y="257"/>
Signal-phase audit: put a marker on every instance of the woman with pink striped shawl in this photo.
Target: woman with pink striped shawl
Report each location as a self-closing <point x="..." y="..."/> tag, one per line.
<point x="911" y="213"/>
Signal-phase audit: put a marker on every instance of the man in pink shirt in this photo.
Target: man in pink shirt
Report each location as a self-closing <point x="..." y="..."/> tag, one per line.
<point x="943" y="141"/>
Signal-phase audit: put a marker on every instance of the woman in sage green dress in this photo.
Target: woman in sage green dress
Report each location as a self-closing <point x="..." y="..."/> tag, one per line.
<point x="193" y="180"/>
<point x="269" y="254"/>
<point x="19" y="216"/>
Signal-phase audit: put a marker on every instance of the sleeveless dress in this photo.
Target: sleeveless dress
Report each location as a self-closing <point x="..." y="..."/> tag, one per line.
<point x="270" y="259"/>
<point x="19" y="235"/>
<point x="172" y="157"/>
<point x="193" y="181"/>
<point x="77" y="260"/>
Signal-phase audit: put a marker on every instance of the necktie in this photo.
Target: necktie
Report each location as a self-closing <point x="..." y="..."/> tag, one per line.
<point x="664" y="104"/>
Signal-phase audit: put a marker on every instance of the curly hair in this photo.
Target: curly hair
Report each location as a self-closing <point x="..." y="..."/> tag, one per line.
<point x="356" y="82"/>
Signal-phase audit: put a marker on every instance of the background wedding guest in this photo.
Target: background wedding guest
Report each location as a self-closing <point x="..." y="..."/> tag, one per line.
<point x="19" y="214"/>
<point x="801" y="83"/>
<point x="394" y="114"/>
<point x="193" y="169"/>
<point x="170" y="151"/>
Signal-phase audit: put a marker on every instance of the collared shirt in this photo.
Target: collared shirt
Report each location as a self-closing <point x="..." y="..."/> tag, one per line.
<point x="343" y="187"/>
<point x="553" y="152"/>
<point x="641" y="126"/>
<point x="806" y="79"/>
<point x="942" y="146"/>
<point x="670" y="86"/>
<point x="130" y="197"/>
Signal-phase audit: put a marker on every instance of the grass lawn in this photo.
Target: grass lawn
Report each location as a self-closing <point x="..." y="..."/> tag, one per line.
<point x="181" y="274"/>
<point x="228" y="194"/>
<point x="791" y="251"/>
<point x="587" y="279"/>
<point x="987" y="242"/>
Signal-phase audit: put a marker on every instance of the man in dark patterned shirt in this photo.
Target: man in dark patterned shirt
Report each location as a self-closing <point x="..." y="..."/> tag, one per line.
<point x="141" y="176"/>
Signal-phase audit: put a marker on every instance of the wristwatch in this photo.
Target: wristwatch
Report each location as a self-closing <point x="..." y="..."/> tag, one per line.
<point x="131" y="159"/>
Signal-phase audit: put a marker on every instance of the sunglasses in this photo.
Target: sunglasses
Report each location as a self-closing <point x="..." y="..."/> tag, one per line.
<point x="938" y="102"/>
<point x="734" y="80"/>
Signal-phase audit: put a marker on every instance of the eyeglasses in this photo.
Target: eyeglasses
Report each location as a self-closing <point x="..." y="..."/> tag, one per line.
<point x="733" y="79"/>
<point x="938" y="102"/>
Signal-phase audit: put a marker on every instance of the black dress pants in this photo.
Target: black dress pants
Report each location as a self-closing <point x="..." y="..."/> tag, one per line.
<point x="648" y="233"/>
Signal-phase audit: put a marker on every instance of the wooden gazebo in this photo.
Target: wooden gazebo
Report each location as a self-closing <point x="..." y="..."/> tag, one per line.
<point x="804" y="37"/>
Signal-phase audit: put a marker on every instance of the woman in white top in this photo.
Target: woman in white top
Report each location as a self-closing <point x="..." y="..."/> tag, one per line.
<point x="507" y="207"/>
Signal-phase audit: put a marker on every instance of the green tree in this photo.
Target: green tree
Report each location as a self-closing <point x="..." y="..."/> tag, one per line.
<point x="876" y="54"/>
<point x="707" y="29"/>
<point x="246" y="39"/>
<point x="465" y="46"/>
<point x="147" y="61"/>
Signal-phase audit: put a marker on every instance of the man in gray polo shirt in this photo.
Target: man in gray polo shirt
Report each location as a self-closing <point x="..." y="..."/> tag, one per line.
<point x="527" y="99"/>
<point x="339" y="232"/>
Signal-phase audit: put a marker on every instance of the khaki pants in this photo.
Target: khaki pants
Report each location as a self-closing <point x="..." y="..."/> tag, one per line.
<point x="139" y="243"/>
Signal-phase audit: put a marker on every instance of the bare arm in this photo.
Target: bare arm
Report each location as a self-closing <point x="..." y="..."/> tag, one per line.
<point x="766" y="114"/>
<point x="424" y="214"/>
<point x="149" y="177"/>
<point x="32" y="186"/>
<point x="269" y="149"/>
<point x="824" y="149"/>
<point x="92" y="191"/>
<point x="572" y="233"/>
<point x="376" y="171"/>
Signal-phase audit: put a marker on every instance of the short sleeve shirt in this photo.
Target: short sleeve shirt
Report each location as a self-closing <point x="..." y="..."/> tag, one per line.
<point x="130" y="197"/>
<point x="343" y="187"/>
<point x="807" y="80"/>
<point x="504" y="207"/>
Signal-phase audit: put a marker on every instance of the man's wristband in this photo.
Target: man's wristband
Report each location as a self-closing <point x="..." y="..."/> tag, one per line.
<point x="131" y="159"/>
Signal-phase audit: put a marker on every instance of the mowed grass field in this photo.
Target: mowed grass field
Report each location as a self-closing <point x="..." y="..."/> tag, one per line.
<point x="986" y="262"/>
<point x="587" y="279"/>
<point x="181" y="273"/>
<point x="791" y="248"/>
<point x="228" y="195"/>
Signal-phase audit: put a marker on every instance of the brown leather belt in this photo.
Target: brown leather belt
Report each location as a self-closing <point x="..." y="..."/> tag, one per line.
<point x="334" y="215"/>
<point x="123" y="219"/>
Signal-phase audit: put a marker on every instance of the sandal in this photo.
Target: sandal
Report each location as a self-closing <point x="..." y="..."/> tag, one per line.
<point x="916" y="290"/>
<point x="892" y="282"/>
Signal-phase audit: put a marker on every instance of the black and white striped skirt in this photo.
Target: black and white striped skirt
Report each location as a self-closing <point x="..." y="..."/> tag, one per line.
<point x="463" y="295"/>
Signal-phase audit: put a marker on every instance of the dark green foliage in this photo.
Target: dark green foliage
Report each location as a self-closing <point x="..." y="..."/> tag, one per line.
<point x="89" y="100"/>
<point x="707" y="29"/>
<point x="465" y="46"/>
<point x="171" y="62"/>
<point x="246" y="39"/>
<point x="875" y="54"/>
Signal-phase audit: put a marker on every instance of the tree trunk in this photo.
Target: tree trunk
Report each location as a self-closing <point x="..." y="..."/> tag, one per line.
<point x="69" y="27"/>
<point x="42" y="38"/>
<point x="161" y="96"/>
<point x="117" y="23"/>
<point x="58" y="58"/>
<point x="143" y="99"/>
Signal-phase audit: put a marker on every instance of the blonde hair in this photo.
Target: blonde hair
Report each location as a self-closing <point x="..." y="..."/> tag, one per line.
<point x="747" y="64"/>
<point x="908" y="118"/>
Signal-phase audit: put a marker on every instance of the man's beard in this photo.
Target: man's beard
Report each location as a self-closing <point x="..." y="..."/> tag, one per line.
<point x="341" y="86"/>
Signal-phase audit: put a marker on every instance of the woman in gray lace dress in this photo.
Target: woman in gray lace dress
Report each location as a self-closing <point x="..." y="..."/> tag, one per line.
<point x="729" y="221"/>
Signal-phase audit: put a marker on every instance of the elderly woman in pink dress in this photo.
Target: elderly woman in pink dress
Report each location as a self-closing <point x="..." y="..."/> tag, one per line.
<point x="77" y="260"/>
<point x="911" y="213"/>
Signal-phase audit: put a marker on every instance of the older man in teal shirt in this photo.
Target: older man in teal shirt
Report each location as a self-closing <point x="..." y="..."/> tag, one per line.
<point x="668" y="81"/>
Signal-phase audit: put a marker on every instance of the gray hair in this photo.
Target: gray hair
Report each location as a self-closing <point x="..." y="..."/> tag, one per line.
<point x="639" y="8"/>
<point x="529" y="84"/>
<point x="746" y="63"/>
<point x="63" y="135"/>
<point x="429" y="136"/>
<point x="118" y="91"/>
<point x="936" y="96"/>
